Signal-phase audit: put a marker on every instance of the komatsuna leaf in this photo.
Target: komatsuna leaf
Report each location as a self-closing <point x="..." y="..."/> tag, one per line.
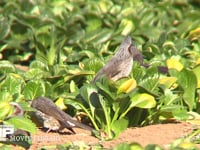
<point x="13" y="83"/>
<point x="143" y="100"/>
<point x="119" y="125"/>
<point x="173" y="63"/>
<point x="196" y="71"/>
<point x="167" y="81"/>
<point x="22" y="123"/>
<point x="6" y="67"/>
<point x="34" y="89"/>
<point x="60" y="103"/>
<point x="127" y="86"/>
<point x="150" y="85"/>
<point x="188" y="81"/>
<point x="5" y="109"/>
<point x="126" y="26"/>
<point x="86" y="92"/>
<point x="36" y="73"/>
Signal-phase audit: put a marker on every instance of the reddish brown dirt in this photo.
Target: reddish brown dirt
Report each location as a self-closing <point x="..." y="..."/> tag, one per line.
<point x="161" y="134"/>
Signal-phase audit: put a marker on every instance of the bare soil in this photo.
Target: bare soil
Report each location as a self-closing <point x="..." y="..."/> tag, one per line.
<point x="161" y="134"/>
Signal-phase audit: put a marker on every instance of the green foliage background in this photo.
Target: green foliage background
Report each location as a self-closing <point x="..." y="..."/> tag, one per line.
<point x="65" y="42"/>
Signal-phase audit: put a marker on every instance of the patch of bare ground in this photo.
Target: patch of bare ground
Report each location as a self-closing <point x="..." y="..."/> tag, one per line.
<point x="161" y="134"/>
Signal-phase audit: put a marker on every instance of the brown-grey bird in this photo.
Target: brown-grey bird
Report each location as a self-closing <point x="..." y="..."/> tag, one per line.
<point x="18" y="111"/>
<point x="120" y="65"/>
<point x="53" y="117"/>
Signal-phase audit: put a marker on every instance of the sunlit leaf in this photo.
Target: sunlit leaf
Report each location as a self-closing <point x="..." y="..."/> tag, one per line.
<point x="13" y="83"/>
<point x="127" y="86"/>
<point x="60" y="103"/>
<point x="5" y="109"/>
<point x="150" y="84"/>
<point x="196" y="71"/>
<point x="168" y="81"/>
<point x="6" y="67"/>
<point x="33" y="90"/>
<point x="143" y="101"/>
<point x="173" y="63"/>
<point x="127" y="26"/>
<point x="73" y="86"/>
<point x="195" y="34"/>
<point x="22" y="123"/>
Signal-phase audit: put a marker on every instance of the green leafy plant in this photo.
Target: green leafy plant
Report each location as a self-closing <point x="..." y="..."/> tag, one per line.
<point x="64" y="43"/>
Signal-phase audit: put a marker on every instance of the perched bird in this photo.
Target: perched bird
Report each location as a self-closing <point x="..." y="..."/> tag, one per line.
<point x="120" y="65"/>
<point x="53" y="117"/>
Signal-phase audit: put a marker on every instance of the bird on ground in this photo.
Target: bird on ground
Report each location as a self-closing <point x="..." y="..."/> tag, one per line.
<point x="53" y="117"/>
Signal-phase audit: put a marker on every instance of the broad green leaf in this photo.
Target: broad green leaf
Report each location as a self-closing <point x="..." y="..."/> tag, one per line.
<point x="39" y="65"/>
<point x="143" y="101"/>
<point x="150" y="85"/>
<point x="33" y="89"/>
<point x="4" y="27"/>
<point x="123" y="146"/>
<point x="187" y="145"/>
<point x="126" y="26"/>
<point x="93" y="24"/>
<point x="6" y="67"/>
<point x="173" y="63"/>
<point x="127" y="86"/>
<point x="153" y="147"/>
<point x="13" y="84"/>
<point x="73" y="87"/>
<point x="98" y="36"/>
<point x="36" y="73"/>
<point x="136" y="146"/>
<point x="188" y="81"/>
<point x="86" y="92"/>
<point x="181" y="114"/>
<point x="119" y="125"/>
<point x="196" y="71"/>
<point x="5" y="109"/>
<point x="60" y="103"/>
<point x="168" y="81"/>
<point x="105" y="90"/>
<point x="195" y="34"/>
<point x="22" y="123"/>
